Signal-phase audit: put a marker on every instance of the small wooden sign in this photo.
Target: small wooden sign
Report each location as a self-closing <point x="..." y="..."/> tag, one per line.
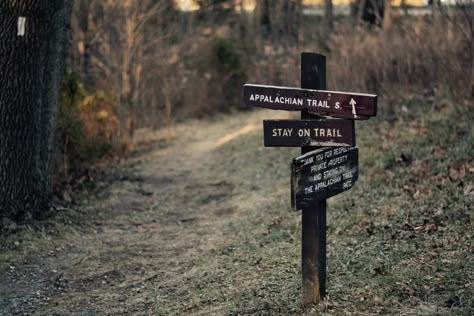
<point x="323" y="173"/>
<point x="355" y="106"/>
<point x="297" y="133"/>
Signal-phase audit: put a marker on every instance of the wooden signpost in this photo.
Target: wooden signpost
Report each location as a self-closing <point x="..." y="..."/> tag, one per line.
<point x="328" y="164"/>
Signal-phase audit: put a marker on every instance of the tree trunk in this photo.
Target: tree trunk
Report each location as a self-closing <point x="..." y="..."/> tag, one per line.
<point x="168" y="17"/>
<point x="328" y="15"/>
<point x="472" y="67"/>
<point x="280" y="20"/>
<point x="33" y="38"/>
<point x="360" y="10"/>
<point x="328" y="21"/>
<point x="387" y="15"/>
<point x="82" y="33"/>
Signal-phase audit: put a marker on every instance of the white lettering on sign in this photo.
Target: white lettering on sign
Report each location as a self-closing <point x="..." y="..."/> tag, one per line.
<point x="340" y="150"/>
<point x="324" y="184"/>
<point x="285" y="132"/>
<point x="337" y="160"/>
<point x="329" y="177"/>
<point x="328" y="132"/>
<point x="316" y="177"/>
<point x="279" y="100"/>
<point x="348" y="175"/>
<point x="317" y="103"/>
<point x="316" y="168"/>
<point x="334" y="172"/>
<point x="347" y="184"/>
<point x="304" y="132"/>
<point x="308" y="161"/>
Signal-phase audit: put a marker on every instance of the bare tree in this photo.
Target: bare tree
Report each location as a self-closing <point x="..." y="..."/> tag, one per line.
<point x="279" y="20"/>
<point x="328" y="24"/>
<point x="461" y="15"/>
<point x="370" y="11"/>
<point x="114" y="47"/>
<point x="328" y="15"/>
<point x="387" y="15"/>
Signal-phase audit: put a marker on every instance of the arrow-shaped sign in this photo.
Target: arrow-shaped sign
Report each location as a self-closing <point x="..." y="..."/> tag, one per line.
<point x="356" y="106"/>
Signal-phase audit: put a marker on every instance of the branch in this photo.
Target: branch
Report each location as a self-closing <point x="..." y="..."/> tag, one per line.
<point x="107" y="20"/>
<point x="469" y="18"/>
<point x="446" y="15"/>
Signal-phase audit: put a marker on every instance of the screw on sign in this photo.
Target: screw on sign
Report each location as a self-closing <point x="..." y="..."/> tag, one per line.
<point x="329" y="163"/>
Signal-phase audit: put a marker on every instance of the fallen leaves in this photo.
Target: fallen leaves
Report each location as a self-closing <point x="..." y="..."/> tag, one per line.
<point x="457" y="173"/>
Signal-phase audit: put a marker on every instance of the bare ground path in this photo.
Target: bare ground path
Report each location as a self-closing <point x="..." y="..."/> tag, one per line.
<point x="149" y="232"/>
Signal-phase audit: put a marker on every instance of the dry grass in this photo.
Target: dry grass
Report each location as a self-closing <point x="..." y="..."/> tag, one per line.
<point x="420" y="55"/>
<point x="207" y="230"/>
<point x="424" y="55"/>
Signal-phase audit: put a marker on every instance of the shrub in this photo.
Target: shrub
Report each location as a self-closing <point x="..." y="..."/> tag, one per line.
<point x="216" y="77"/>
<point x="417" y="54"/>
<point x="85" y="124"/>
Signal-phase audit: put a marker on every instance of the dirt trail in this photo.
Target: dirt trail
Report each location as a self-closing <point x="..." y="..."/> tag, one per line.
<point x="150" y="230"/>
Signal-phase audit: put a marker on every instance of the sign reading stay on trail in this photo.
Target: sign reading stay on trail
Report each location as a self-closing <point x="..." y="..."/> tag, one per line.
<point x="356" y="106"/>
<point x="296" y="133"/>
<point x="323" y="173"/>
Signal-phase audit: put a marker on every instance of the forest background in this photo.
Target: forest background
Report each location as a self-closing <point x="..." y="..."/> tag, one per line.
<point x="136" y="67"/>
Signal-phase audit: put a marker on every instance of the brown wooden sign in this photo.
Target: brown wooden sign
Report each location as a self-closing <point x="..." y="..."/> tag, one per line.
<point x="323" y="173"/>
<point x="297" y="133"/>
<point x="355" y="106"/>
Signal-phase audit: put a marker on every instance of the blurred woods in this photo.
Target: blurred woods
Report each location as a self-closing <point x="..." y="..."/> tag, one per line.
<point x="138" y="66"/>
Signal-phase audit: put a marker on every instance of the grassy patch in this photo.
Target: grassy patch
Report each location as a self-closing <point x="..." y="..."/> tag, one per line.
<point x="213" y="233"/>
<point x="399" y="243"/>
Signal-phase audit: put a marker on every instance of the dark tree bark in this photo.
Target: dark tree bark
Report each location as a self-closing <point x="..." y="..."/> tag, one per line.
<point x="31" y="67"/>
<point x="370" y="11"/>
<point x="80" y="55"/>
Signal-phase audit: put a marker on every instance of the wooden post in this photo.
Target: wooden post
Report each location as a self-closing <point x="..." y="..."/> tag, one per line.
<point x="313" y="251"/>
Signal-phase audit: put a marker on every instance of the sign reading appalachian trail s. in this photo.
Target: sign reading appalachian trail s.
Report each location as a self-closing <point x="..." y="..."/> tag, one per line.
<point x="356" y="106"/>
<point x="296" y="133"/>
<point x="323" y="173"/>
